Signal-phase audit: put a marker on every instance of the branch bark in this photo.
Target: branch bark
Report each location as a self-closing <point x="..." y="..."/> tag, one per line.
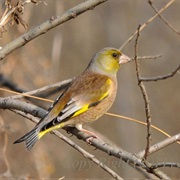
<point x="145" y="97"/>
<point x="160" y="145"/>
<point x="117" y="152"/>
<point x="48" y="25"/>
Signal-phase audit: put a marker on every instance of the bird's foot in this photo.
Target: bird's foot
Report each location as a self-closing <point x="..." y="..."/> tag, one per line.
<point x="92" y="135"/>
<point x="89" y="139"/>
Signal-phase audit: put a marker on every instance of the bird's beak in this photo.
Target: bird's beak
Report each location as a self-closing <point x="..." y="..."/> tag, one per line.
<point x="124" y="59"/>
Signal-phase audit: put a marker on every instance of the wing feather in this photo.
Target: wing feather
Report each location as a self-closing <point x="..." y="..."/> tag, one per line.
<point x="78" y="99"/>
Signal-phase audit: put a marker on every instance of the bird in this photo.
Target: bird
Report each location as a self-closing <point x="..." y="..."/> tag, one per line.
<point x="89" y="96"/>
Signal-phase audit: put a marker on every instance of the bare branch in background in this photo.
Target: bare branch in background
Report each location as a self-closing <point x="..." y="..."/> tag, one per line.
<point x="148" y="57"/>
<point x="146" y="23"/>
<point x="157" y="78"/>
<point x="48" y="25"/>
<point x="160" y="145"/>
<point x="40" y="92"/>
<point x="165" y="164"/>
<point x="162" y="18"/>
<point x="145" y="97"/>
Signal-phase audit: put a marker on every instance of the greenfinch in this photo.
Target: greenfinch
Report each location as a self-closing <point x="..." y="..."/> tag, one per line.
<point x="88" y="97"/>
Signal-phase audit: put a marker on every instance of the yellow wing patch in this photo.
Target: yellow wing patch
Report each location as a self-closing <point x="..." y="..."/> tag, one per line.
<point x="42" y="133"/>
<point x="84" y="109"/>
<point x="87" y="106"/>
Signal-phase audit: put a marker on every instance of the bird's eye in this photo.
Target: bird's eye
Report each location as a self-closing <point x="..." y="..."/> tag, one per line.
<point x="115" y="55"/>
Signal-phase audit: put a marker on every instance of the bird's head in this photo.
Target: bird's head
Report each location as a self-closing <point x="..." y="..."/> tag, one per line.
<point x="108" y="60"/>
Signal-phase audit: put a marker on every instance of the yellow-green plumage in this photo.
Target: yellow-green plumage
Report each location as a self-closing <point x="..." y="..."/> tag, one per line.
<point x="87" y="98"/>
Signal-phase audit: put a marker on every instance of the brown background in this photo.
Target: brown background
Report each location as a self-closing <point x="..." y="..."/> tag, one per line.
<point x="63" y="53"/>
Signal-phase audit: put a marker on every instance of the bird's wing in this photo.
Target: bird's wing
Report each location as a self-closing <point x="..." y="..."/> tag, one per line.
<point x="80" y="105"/>
<point x="77" y="101"/>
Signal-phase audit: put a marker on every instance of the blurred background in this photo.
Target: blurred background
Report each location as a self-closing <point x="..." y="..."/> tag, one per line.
<point x="64" y="52"/>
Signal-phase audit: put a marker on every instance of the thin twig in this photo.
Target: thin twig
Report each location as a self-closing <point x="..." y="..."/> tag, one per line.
<point x="163" y="19"/>
<point x="148" y="57"/>
<point x="48" y="25"/>
<point x="146" y="23"/>
<point x="163" y="77"/>
<point x="60" y="86"/>
<point x="160" y="145"/>
<point x="145" y="97"/>
<point x="157" y="172"/>
<point x="165" y="164"/>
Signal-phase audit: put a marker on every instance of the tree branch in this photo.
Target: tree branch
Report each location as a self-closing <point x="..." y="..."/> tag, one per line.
<point x="131" y="159"/>
<point x="160" y="145"/>
<point x="146" y="23"/>
<point x="145" y="97"/>
<point x="162" y="18"/>
<point x="48" y="25"/>
<point x="87" y="155"/>
<point x="42" y="92"/>
<point x="148" y="57"/>
<point x="74" y="145"/>
<point x="165" y="164"/>
<point x="157" y="78"/>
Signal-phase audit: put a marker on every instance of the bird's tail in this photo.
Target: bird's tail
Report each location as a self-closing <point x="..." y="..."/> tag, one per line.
<point x="30" y="138"/>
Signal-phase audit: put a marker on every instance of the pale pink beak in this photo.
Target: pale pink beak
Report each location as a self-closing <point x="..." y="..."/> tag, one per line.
<point x="124" y="59"/>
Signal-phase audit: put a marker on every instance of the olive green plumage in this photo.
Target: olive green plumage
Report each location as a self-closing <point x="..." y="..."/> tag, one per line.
<point x="87" y="98"/>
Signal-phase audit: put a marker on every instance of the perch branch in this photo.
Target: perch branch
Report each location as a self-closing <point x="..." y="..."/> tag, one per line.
<point x="74" y="145"/>
<point x="132" y="159"/>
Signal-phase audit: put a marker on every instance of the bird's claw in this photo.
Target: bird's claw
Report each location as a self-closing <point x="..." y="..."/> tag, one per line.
<point x="89" y="139"/>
